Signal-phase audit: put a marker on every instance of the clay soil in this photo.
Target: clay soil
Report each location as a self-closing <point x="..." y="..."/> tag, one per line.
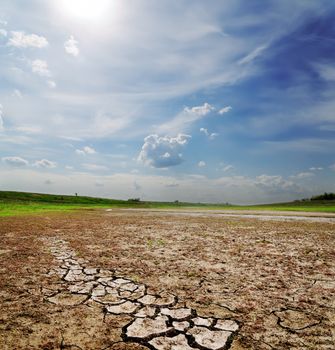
<point x="275" y="279"/>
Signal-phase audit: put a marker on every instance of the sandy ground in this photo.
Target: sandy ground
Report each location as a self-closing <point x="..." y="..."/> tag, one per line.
<point x="156" y="280"/>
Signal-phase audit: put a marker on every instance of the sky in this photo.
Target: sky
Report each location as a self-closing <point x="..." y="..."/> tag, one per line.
<point x="189" y="100"/>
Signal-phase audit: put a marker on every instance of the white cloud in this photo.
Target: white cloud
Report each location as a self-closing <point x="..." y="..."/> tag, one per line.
<point x="275" y="184"/>
<point x="20" y="39"/>
<point x="45" y="163"/>
<point x="3" y="32"/>
<point x="315" y="168"/>
<point x="71" y="46"/>
<point x="162" y="152"/>
<point x="199" y="111"/>
<point x="326" y="71"/>
<point x="1" y="117"/>
<point x="85" y="150"/>
<point x="253" y="55"/>
<point x="51" y="84"/>
<point x="17" y="93"/>
<point x="188" y="116"/>
<point x="211" y="136"/>
<point x="225" y="110"/>
<point x="40" y="67"/>
<point x="228" y="167"/>
<point x="15" y="161"/>
<point x="303" y="175"/>
<point x="201" y="164"/>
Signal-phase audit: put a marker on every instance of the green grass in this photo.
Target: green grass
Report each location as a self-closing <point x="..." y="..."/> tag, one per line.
<point x="24" y="203"/>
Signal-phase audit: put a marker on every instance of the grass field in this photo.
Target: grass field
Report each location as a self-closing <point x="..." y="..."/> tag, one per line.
<point x="23" y="203"/>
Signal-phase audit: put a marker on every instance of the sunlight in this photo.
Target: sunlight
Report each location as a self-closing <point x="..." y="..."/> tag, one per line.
<point x="85" y="9"/>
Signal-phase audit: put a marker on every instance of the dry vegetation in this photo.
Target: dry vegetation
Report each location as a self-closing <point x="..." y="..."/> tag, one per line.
<point x="276" y="279"/>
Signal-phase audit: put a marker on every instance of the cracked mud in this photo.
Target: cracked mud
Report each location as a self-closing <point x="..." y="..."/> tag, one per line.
<point x="156" y="321"/>
<point x="123" y="280"/>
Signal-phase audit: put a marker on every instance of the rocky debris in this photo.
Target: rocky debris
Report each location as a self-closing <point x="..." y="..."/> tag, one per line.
<point x="156" y="321"/>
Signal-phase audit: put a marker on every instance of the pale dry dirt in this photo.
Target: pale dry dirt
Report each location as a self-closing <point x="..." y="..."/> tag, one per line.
<point x="155" y="280"/>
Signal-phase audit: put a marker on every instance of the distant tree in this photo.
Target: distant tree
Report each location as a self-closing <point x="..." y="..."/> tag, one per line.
<point x="326" y="196"/>
<point x="76" y="194"/>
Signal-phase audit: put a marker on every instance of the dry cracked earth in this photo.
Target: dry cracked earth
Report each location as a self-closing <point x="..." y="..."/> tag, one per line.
<point x="153" y="280"/>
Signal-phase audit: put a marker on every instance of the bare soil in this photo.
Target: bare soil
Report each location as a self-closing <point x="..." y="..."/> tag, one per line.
<point x="155" y="280"/>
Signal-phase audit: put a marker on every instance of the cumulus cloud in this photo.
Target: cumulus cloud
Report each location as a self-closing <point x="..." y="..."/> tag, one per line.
<point x="211" y="136"/>
<point x="15" y="161"/>
<point x="3" y="32"/>
<point x="85" y="150"/>
<point x="201" y="164"/>
<point x="40" y="67"/>
<point x="163" y="152"/>
<point x="71" y="46"/>
<point x="45" y="163"/>
<point x="22" y="40"/>
<point x="225" y="110"/>
<point x="188" y="116"/>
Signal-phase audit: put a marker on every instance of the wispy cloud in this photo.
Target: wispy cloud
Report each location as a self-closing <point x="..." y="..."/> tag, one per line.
<point x="201" y="164"/>
<point x="225" y="110"/>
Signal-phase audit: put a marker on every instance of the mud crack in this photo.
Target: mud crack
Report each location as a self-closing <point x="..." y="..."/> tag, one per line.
<point x="157" y="323"/>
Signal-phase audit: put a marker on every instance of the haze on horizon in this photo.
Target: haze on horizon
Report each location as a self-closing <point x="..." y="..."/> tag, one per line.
<point x="202" y="101"/>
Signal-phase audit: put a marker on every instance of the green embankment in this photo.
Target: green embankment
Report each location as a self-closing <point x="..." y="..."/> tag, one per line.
<point x="23" y="203"/>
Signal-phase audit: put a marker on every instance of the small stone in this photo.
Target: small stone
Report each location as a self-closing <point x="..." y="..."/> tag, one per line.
<point x="90" y="271"/>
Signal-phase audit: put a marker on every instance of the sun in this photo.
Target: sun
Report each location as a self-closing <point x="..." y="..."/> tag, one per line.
<point x="85" y="9"/>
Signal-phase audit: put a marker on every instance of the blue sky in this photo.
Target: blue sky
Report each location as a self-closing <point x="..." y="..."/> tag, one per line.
<point x="211" y="101"/>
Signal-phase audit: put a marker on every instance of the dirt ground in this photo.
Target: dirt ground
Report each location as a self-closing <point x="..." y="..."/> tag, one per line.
<point x="153" y="280"/>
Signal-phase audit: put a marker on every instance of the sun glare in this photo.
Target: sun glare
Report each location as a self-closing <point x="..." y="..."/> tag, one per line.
<point x="85" y="9"/>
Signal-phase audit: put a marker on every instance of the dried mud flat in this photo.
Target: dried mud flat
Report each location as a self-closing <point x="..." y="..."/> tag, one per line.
<point x="148" y="280"/>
